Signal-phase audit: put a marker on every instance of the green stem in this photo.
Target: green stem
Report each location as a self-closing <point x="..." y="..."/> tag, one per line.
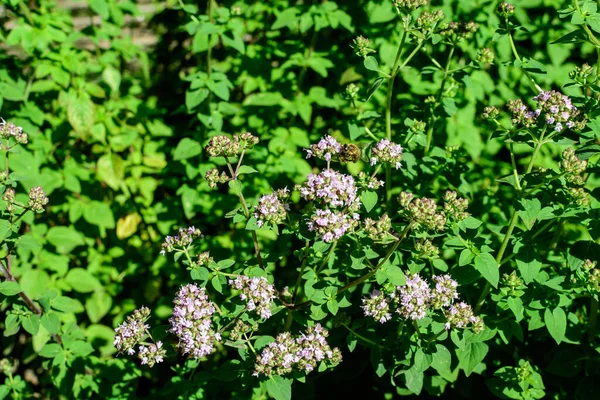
<point x="514" y="166"/>
<point x="516" y="54"/>
<point x="440" y="93"/>
<point x="326" y="259"/>
<point x="364" y="339"/>
<point x="511" y="225"/>
<point x="593" y="319"/>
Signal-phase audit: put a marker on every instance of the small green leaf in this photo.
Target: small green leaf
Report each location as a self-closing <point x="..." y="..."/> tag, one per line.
<point x="51" y="322"/>
<point x="186" y="148"/>
<point x="50" y="350"/>
<point x="471" y="355"/>
<point x="371" y="63"/>
<point x="529" y="212"/>
<point x="369" y="199"/>
<point x="66" y="304"/>
<point x="556" y="322"/>
<point x="82" y="281"/>
<point x="10" y="288"/>
<point x="31" y="323"/>
<point x="487" y="266"/>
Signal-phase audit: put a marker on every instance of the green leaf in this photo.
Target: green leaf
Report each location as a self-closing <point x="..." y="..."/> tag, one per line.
<point x="186" y="148"/>
<point x="528" y="261"/>
<point x="5" y="229"/>
<point x="100" y="214"/>
<point x="128" y="225"/>
<point x="66" y="304"/>
<point x="82" y="281"/>
<point x="220" y="89"/>
<point x="471" y="355"/>
<point x="10" y="288"/>
<point x="31" y="323"/>
<point x="414" y="380"/>
<point x="333" y="306"/>
<point x="100" y="7"/>
<point x="371" y="63"/>
<point x="199" y="274"/>
<point x="556" y="322"/>
<point x="81" y="114"/>
<point x="112" y="77"/>
<point x="51" y="322"/>
<point x="516" y="306"/>
<point x="369" y="199"/>
<point x="98" y="305"/>
<point x="110" y="169"/>
<point x="193" y="98"/>
<point x="216" y="282"/>
<point x="279" y="388"/>
<point x="64" y="238"/>
<point x="529" y="212"/>
<point x="12" y="324"/>
<point x="50" y="350"/>
<point x="374" y="87"/>
<point x="81" y="348"/>
<point x="288" y="17"/>
<point x="236" y="187"/>
<point x="487" y="266"/>
<point x="244" y="169"/>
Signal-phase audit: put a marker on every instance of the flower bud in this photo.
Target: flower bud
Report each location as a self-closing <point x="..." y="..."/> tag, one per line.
<point x="485" y="56"/>
<point x="362" y="46"/>
<point x="505" y="9"/>
<point x="37" y="199"/>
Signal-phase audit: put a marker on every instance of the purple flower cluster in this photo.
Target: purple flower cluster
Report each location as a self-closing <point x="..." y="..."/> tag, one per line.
<point x="271" y="208"/>
<point x="416" y="298"/>
<point x="302" y="353"/>
<point x="331" y="188"/>
<point x="386" y="152"/>
<point x="377" y="305"/>
<point x="151" y="354"/>
<point x="460" y="315"/>
<point x="331" y="225"/>
<point x="553" y="108"/>
<point x="9" y="130"/>
<point x="369" y="182"/>
<point x="326" y="149"/>
<point x="192" y="321"/>
<point x="413" y="299"/>
<point x="257" y="292"/>
<point x="184" y="238"/>
<point x="132" y="331"/>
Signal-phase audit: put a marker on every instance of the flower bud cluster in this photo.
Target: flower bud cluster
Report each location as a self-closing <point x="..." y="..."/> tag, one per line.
<point x="490" y="113"/>
<point x="239" y="329"/>
<point x="427" y="21"/>
<point x="362" y="46"/>
<point x="352" y="91"/>
<point x="369" y="182"/>
<point x="6" y="366"/>
<point x="409" y="5"/>
<point x="331" y="188"/>
<point x="191" y="321"/>
<point x="223" y="146"/>
<point x="422" y="211"/>
<point x="553" y="108"/>
<point x="581" y="74"/>
<point x="426" y="249"/>
<point x="271" y="208"/>
<point x="506" y="9"/>
<point x="302" y="353"/>
<point x="377" y="306"/>
<point x="331" y="225"/>
<point x="377" y="230"/>
<point x="455" y="207"/>
<point x="257" y="292"/>
<point x="37" y="199"/>
<point x="9" y="197"/>
<point x="215" y="178"/>
<point x="202" y="260"/>
<point x="486" y="56"/>
<point x="9" y="130"/>
<point x="512" y="282"/>
<point x="386" y="152"/>
<point x="184" y="238"/>
<point x="572" y="167"/>
<point x="579" y="196"/>
<point x="325" y="149"/>
<point x="462" y="30"/>
<point x="131" y="332"/>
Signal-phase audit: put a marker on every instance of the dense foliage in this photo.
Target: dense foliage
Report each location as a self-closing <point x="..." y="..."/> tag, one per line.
<point x="299" y="198"/>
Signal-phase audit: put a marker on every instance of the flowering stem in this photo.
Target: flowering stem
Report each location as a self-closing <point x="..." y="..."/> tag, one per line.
<point x="511" y="225"/>
<point x="249" y="344"/>
<point x="5" y="270"/>
<point x="371" y="134"/>
<point x="516" y="54"/>
<point x="364" y="339"/>
<point x="433" y="117"/>
<point x="417" y="329"/>
<point x="326" y="259"/>
<point x="514" y="166"/>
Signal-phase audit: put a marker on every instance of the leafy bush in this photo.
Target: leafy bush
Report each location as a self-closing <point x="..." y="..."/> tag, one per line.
<point x="377" y="197"/>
